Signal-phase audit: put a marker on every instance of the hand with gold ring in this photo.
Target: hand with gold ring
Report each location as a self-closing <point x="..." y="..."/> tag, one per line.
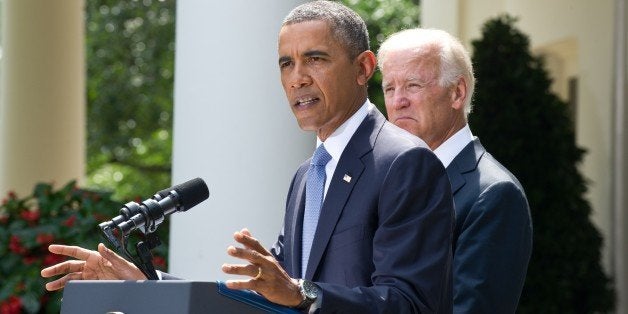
<point x="276" y="285"/>
<point x="259" y="273"/>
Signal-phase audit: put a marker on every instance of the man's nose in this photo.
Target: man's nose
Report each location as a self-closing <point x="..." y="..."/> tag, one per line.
<point x="400" y="99"/>
<point x="300" y="77"/>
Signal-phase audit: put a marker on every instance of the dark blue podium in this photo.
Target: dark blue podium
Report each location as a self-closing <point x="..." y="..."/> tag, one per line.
<point x="161" y="297"/>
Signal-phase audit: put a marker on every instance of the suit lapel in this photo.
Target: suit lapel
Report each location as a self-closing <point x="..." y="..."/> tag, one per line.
<point x="455" y="178"/>
<point x="345" y="177"/>
<point x="466" y="161"/>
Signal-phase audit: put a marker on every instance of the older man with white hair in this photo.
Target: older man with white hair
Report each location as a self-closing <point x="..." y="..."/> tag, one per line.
<point x="428" y="84"/>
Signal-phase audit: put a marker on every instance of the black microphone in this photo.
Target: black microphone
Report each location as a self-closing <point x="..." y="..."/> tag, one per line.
<point x="148" y="215"/>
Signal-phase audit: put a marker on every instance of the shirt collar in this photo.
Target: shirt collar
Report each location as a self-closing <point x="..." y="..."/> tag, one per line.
<point x="447" y="151"/>
<point x="337" y="141"/>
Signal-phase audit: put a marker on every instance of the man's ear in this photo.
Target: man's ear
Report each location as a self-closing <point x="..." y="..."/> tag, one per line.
<point x="459" y="94"/>
<point x="366" y="62"/>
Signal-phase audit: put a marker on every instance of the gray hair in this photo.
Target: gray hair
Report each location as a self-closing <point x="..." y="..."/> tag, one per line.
<point x="347" y="26"/>
<point x="454" y="58"/>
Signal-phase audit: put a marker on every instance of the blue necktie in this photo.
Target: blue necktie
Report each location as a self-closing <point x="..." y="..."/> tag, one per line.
<point x="314" y="188"/>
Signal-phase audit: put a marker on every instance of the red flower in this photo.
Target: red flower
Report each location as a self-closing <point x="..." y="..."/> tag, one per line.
<point x="99" y="217"/>
<point x="44" y="238"/>
<point x="12" y="195"/>
<point x="70" y="221"/>
<point x="31" y="216"/>
<point x="44" y="299"/>
<point x="27" y="260"/>
<point x="4" y="219"/>
<point x="12" y="305"/>
<point x="159" y="262"/>
<point x="15" y="245"/>
<point x="52" y="259"/>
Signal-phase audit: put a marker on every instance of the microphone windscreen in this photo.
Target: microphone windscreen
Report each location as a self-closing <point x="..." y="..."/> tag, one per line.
<point x="192" y="192"/>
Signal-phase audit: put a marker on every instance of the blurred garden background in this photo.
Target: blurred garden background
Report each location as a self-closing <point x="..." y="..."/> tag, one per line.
<point x="527" y="120"/>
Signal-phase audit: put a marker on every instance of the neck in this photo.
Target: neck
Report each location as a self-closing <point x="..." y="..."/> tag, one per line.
<point x="456" y="126"/>
<point x="323" y="133"/>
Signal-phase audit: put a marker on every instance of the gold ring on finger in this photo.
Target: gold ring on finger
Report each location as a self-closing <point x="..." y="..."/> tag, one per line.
<point x="259" y="273"/>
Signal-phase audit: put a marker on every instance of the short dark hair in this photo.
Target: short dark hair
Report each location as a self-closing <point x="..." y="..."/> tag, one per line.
<point x="346" y="25"/>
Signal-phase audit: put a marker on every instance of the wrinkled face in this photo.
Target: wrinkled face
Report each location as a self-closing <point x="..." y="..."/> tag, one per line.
<point x="414" y="100"/>
<point x="321" y="83"/>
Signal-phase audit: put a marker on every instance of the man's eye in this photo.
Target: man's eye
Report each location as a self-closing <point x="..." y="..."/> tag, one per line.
<point x="413" y="87"/>
<point x="314" y="59"/>
<point x="388" y="90"/>
<point x="285" y="64"/>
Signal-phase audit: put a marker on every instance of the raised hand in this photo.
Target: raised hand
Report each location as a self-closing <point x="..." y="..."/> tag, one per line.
<point x="103" y="264"/>
<point x="268" y="278"/>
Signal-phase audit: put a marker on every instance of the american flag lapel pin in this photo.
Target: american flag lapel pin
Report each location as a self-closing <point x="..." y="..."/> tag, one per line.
<point x="347" y="178"/>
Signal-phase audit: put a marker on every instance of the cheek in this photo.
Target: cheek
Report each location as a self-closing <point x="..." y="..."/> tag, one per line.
<point x="388" y="101"/>
<point x="389" y="109"/>
<point x="332" y="91"/>
<point x="420" y="107"/>
<point x="284" y="84"/>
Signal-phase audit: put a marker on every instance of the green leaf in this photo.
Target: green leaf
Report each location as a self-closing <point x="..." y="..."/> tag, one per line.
<point x="30" y="302"/>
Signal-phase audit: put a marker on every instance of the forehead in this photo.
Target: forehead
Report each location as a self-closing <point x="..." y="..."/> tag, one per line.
<point x="303" y="36"/>
<point x="411" y="62"/>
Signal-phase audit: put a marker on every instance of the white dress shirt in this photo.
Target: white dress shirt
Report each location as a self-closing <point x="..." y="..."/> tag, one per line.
<point x="335" y="144"/>
<point x="447" y="151"/>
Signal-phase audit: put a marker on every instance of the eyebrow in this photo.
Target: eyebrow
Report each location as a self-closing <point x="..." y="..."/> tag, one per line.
<point x="315" y="53"/>
<point x="284" y="59"/>
<point x="409" y="79"/>
<point x="310" y="53"/>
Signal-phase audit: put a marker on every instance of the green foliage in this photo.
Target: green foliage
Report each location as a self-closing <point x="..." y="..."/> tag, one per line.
<point x="69" y="215"/>
<point x="528" y="129"/>
<point x="130" y="65"/>
<point x="383" y="18"/>
<point x="130" y="69"/>
<point x="28" y="225"/>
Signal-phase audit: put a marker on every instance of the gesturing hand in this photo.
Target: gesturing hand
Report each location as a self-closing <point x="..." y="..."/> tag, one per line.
<point x="269" y="278"/>
<point x="103" y="264"/>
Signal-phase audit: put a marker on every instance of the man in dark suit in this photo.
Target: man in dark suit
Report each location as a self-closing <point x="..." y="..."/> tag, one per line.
<point x="382" y="243"/>
<point x="428" y="84"/>
<point x="380" y="238"/>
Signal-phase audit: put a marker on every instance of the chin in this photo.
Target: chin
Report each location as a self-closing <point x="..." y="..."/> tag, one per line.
<point x="306" y="125"/>
<point x="411" y="128"/>
<point x="406" y="124"/>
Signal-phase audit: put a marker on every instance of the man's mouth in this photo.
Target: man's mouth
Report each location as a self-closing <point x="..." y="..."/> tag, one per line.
<point x="306" y="101"/>
<point x="404" y="118"/>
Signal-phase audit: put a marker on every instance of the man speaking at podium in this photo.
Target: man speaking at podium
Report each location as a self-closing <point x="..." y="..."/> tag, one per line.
<point x="369" y="218"/>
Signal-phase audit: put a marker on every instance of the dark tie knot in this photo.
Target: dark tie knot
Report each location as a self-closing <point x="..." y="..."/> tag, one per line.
<point x="321" y="156"/>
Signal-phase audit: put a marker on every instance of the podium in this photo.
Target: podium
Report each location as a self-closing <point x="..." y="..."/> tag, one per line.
<point x="161" y="297"/>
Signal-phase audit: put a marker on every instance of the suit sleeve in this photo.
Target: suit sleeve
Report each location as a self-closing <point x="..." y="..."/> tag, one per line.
<point x="492" y="252"/>
<point x="412" y="245"/>
<point x="278" y="248"/>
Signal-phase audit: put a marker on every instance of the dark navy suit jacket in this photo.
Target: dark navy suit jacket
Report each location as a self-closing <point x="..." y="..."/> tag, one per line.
<point x="384" y="238"/>
<point x="493" y="235"/>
